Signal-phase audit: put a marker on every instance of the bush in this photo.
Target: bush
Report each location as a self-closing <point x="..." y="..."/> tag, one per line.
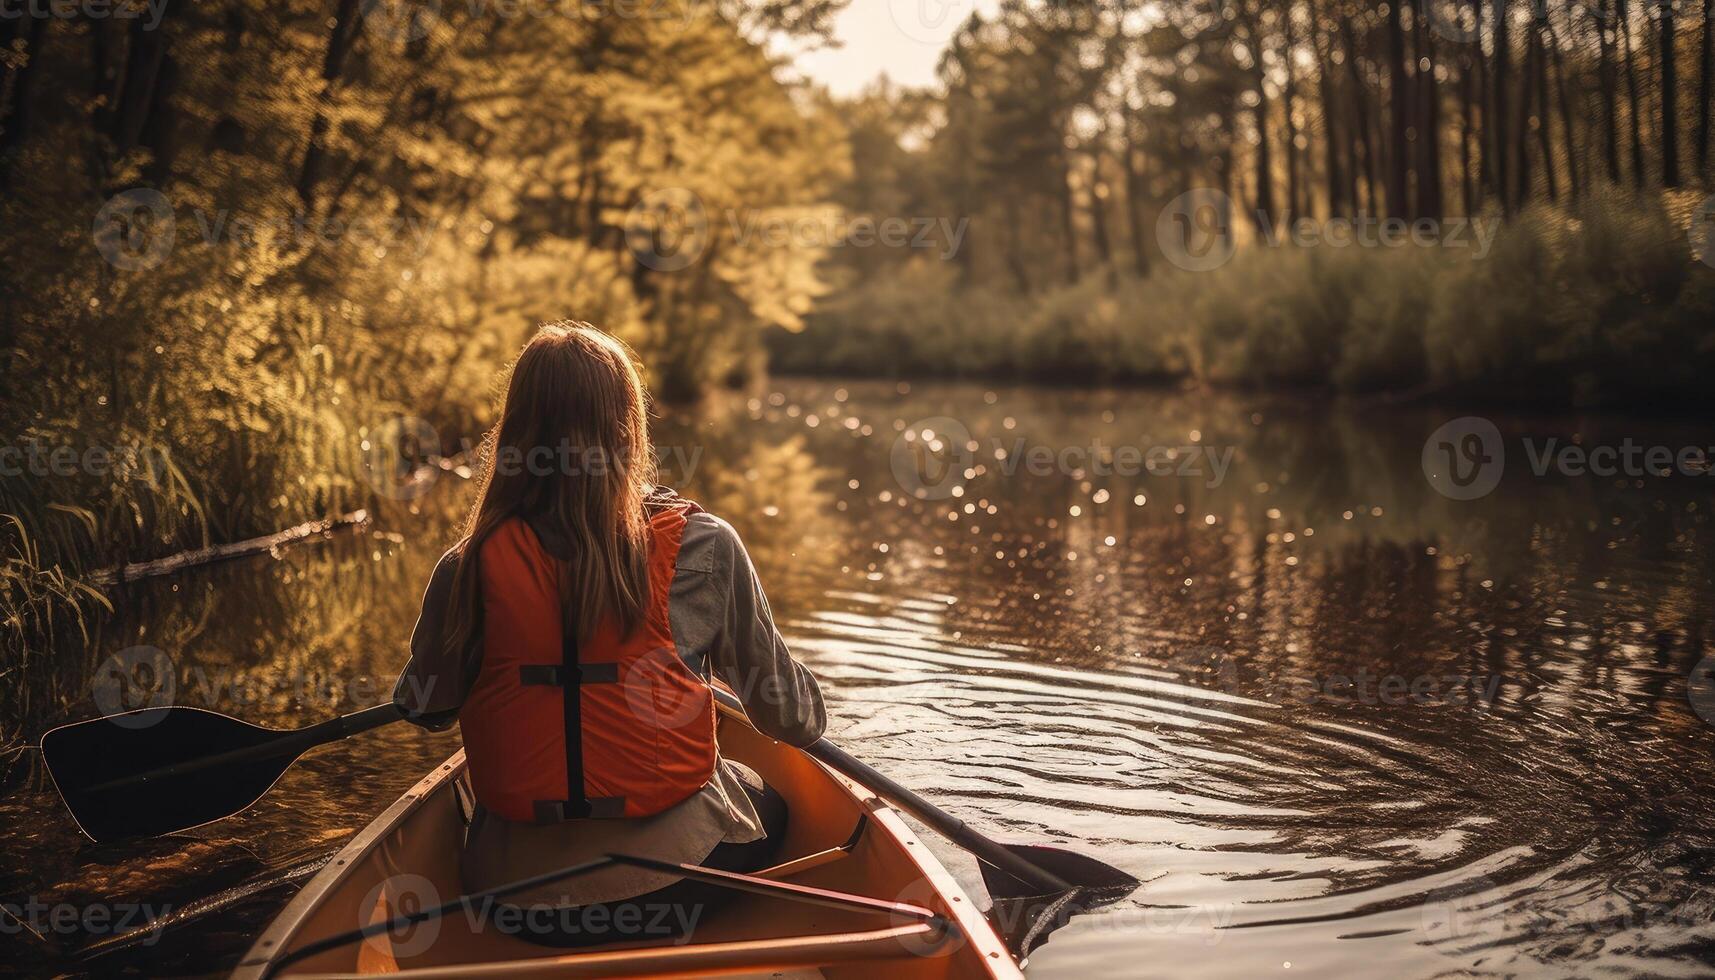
<point x="1599" y="304"/>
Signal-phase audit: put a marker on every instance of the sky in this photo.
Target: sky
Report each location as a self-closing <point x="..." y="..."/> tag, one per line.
<point x="902" y="39"/>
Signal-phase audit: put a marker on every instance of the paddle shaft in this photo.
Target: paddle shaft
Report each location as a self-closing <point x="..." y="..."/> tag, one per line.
<point x="289" y="745"/>
<point x="292" y="744"/>
<point x="941" y="821"/>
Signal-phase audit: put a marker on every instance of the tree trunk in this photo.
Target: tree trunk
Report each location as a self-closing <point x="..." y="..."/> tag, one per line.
<point x="1669" y="98"/>
<point x="1705" y="68"/>
<point x="1068" y="218"/>
<point x="1522" y="183"/>
<point x="1500" y="114"/>
<point x="1468" y="181"/>
<point x="1363" y="116"/>
<point x="1135" y="193"/>
<point x="1399" y="118"/>
<point x="1544" y="118"/>
<point x="21" y="36"/>
<point x="1606" y="77"/>
<point x="348" y="17"/>
<point x="1265" y="207"/>
<point x="1429" y="197"/>
<point x="139" y="82"/>
<point x="1341" y="193"/>
<point x="1289" y="98"/>
<point x="1483" y="106"/>
<point x="1635" y="102"/>
<point x="1568" y="135"/>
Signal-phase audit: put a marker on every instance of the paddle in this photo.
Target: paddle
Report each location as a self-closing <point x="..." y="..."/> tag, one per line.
<point x="1008" y="870"/>
<point x="159" y="770"/>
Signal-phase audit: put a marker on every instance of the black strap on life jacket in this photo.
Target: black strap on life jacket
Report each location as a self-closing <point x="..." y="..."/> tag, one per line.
<point x="570" y="675"/>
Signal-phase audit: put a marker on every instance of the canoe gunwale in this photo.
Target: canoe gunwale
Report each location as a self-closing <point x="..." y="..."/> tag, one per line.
<point x="962" y="920"/>
<point x="753" y="956"/>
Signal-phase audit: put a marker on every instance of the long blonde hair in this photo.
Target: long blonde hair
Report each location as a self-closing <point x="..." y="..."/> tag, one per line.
<point x="572" y="449"/>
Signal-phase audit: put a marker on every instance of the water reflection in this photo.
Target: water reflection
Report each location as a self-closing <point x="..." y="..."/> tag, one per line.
<point x="1331" y="715"/>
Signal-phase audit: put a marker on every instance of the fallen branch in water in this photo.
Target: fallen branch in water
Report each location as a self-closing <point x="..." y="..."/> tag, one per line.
<point x="223" y="552"/>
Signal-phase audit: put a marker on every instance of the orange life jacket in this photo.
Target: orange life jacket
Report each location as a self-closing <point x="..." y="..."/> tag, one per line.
<point x="614" y="726"/>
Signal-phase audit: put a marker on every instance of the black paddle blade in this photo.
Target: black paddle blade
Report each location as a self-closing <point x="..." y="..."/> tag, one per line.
<point x="1025" y="918"/>
<point x="96" y="764"/>
<point x="1078" y="870"/>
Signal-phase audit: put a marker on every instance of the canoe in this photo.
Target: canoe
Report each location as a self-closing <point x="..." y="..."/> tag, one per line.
<point x="840" y="841"/>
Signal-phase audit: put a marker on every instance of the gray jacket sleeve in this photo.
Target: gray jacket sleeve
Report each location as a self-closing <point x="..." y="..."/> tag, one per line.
<point x="433" y="685"/>
<point x="724" y="630"/>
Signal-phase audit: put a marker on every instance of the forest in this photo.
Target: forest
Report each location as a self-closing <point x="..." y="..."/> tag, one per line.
<point x="245" y="239"/>
<point x="250" y="246"/>
<point x="1531" y="177"/>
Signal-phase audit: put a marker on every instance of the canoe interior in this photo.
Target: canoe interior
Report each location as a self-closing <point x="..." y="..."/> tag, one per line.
<point x="374" y="877"/>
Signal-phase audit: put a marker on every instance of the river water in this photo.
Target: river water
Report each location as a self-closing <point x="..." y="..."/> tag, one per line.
<point x="1254" y="651"/>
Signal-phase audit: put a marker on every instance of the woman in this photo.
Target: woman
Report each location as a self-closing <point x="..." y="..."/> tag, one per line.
<point x="570" y="632"/>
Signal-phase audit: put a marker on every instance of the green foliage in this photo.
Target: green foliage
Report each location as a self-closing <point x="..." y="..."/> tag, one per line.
<point x="1599" y="305"/>
<point x="369" y="216"/>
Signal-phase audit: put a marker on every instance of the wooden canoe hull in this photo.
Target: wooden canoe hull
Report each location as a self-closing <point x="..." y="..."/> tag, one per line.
<point x="407" y="858"/>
